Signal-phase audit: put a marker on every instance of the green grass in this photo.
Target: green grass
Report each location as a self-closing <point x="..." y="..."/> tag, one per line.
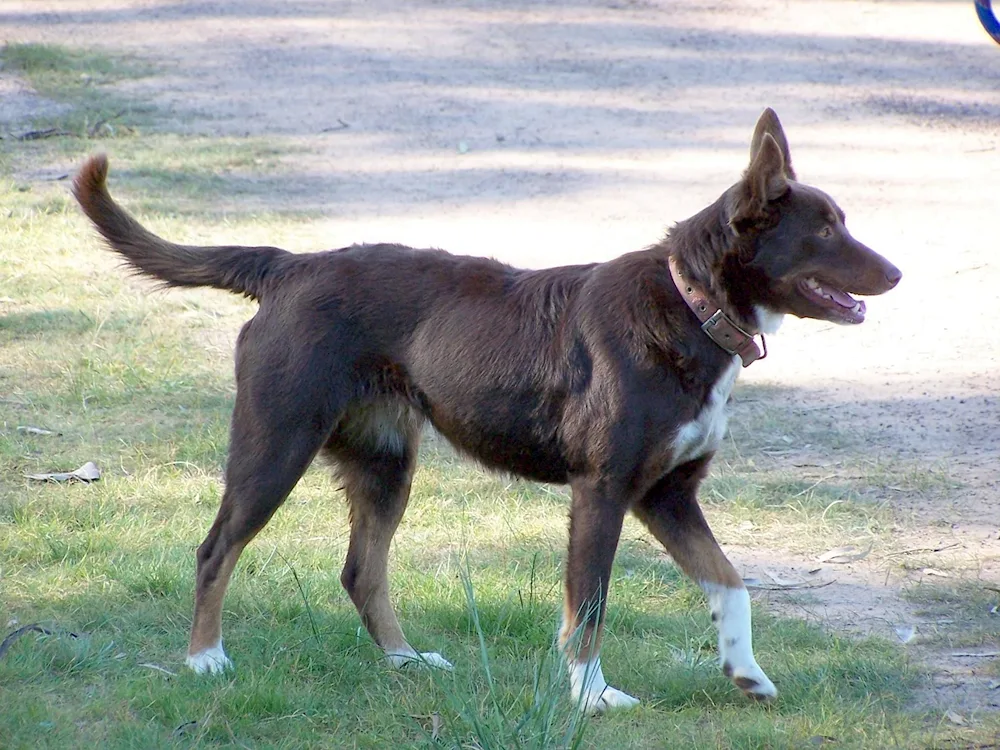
<point x="969" y="610"/>
<point x="141" y="384"/>
<point x="113" y="561"/>
<point x="83" y="82"/>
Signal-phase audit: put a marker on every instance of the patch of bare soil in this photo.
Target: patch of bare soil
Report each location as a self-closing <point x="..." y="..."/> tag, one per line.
<point x="19" y="103"/>
<point x="574" y="130"/>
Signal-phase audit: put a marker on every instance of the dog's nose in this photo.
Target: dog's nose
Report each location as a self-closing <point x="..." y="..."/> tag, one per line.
<point x="893" y="275"/>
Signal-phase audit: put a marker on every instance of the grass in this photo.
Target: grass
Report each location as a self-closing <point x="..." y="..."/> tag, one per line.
<point x="969" y="610"/>
<point x="140" y="383"/>
<point x="80" y="84"/>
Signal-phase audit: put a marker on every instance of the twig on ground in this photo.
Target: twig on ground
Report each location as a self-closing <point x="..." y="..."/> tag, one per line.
<point x="340" y="126"/>
<point x="915" y="550"/>
<point x="9" y="640"/>
<point x="183" y="728"/>
<point x="753" y="583"/>
<point x="814" y="485"/>
<point x="37" y="135"/>
<point x="158" y="668"/>
<point x="93" y="131"/>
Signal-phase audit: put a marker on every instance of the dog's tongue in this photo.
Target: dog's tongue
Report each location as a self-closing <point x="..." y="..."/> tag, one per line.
<point x="841" y="298"/>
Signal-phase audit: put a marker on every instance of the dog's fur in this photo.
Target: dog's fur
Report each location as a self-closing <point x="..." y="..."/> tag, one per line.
<point x="597" y="376"/>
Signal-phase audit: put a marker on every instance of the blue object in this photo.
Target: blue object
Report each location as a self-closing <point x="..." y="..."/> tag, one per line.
<point x="988" y="19"/>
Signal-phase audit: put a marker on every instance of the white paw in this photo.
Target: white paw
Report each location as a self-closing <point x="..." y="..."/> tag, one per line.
<point x="591" y="693"/>
<point x="610" y="699"/>
<point x="426" y="659"/>
<point x="211" y="661"/>
<point x="752" y="681"/>
<point x="731" y="612"/>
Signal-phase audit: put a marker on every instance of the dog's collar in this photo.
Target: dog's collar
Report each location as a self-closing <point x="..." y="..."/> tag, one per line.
<point x="714" y="322"/>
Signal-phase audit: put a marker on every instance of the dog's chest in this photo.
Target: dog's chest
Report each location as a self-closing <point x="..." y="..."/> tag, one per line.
<point x="704" y="433"/>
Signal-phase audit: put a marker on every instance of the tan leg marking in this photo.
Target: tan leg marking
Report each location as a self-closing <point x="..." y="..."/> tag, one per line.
<point x="205" y="652"/>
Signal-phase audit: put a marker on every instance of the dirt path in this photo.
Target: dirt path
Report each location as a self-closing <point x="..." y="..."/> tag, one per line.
<point x="545" y="133"/>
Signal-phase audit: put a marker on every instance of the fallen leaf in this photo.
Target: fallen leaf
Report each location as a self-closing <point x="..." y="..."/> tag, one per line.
<point x="435" y="725"/>
<point x="86" y="473"/>
<point x="954" y="718"/>
<point x="781" y="581"/>
<point x="29" y="430"/>
<point x="935" y="572"/>
<point x="993" y="684"/>
<point x="915" y="550"/>
<point x="906" y="633"/>
<point x="846" y="554"/>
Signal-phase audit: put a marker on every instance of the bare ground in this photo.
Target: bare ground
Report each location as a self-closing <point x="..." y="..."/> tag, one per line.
<point x="566" y="131"/>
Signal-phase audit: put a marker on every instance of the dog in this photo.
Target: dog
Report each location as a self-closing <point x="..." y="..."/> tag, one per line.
<point x="610" y="377"/>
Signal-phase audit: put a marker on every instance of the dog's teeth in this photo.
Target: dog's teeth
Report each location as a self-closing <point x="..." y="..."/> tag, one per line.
<point x="814" y="286"/>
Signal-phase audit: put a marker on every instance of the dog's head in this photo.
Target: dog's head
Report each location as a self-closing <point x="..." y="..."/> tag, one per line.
<point x="792" y="252"/>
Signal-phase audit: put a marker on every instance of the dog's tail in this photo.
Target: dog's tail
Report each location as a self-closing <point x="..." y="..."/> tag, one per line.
<point x="244" y="270"/>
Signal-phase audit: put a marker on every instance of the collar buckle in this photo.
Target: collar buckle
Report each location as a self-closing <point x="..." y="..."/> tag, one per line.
<point x="718" y="326"/>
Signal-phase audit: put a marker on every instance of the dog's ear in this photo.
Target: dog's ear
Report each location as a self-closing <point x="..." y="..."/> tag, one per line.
<point x="763" y="182"/>
<point x="769" y="124"/>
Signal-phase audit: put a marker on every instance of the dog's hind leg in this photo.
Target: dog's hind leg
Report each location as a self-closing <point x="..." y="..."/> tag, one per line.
<point x="271" y="445"/>
<point x="375" y="451"/>
<point x="595" y="524"/>
<point x="671" y="512"/>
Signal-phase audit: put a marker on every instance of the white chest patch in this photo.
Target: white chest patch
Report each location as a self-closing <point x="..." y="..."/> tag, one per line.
<point x="704" y="433"/>
<point x="768" y="321"/>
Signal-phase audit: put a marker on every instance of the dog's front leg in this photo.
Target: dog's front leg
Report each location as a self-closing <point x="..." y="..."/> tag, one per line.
<point x="595" y="524"/>
<point x="671" y="512"/>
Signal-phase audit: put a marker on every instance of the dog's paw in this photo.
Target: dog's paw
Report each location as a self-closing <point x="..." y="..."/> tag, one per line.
<point x="752" y="681"/>
<point x="610" y="699"/>
<point x="210" y="661"/>
<point x="592" y="694"/>
<point x="425" y="659"/>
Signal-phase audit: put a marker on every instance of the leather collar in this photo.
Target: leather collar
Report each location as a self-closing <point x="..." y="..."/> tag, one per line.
<point x="715" y="323"/>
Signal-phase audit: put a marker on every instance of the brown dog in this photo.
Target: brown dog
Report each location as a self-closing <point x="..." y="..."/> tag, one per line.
<point x="611" y="377"/>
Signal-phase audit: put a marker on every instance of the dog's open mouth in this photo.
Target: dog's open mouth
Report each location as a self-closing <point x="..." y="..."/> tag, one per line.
<point x="839" y="304"/>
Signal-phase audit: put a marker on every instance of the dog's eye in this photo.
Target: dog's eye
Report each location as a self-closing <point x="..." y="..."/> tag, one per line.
<point x="826" y="232"/>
